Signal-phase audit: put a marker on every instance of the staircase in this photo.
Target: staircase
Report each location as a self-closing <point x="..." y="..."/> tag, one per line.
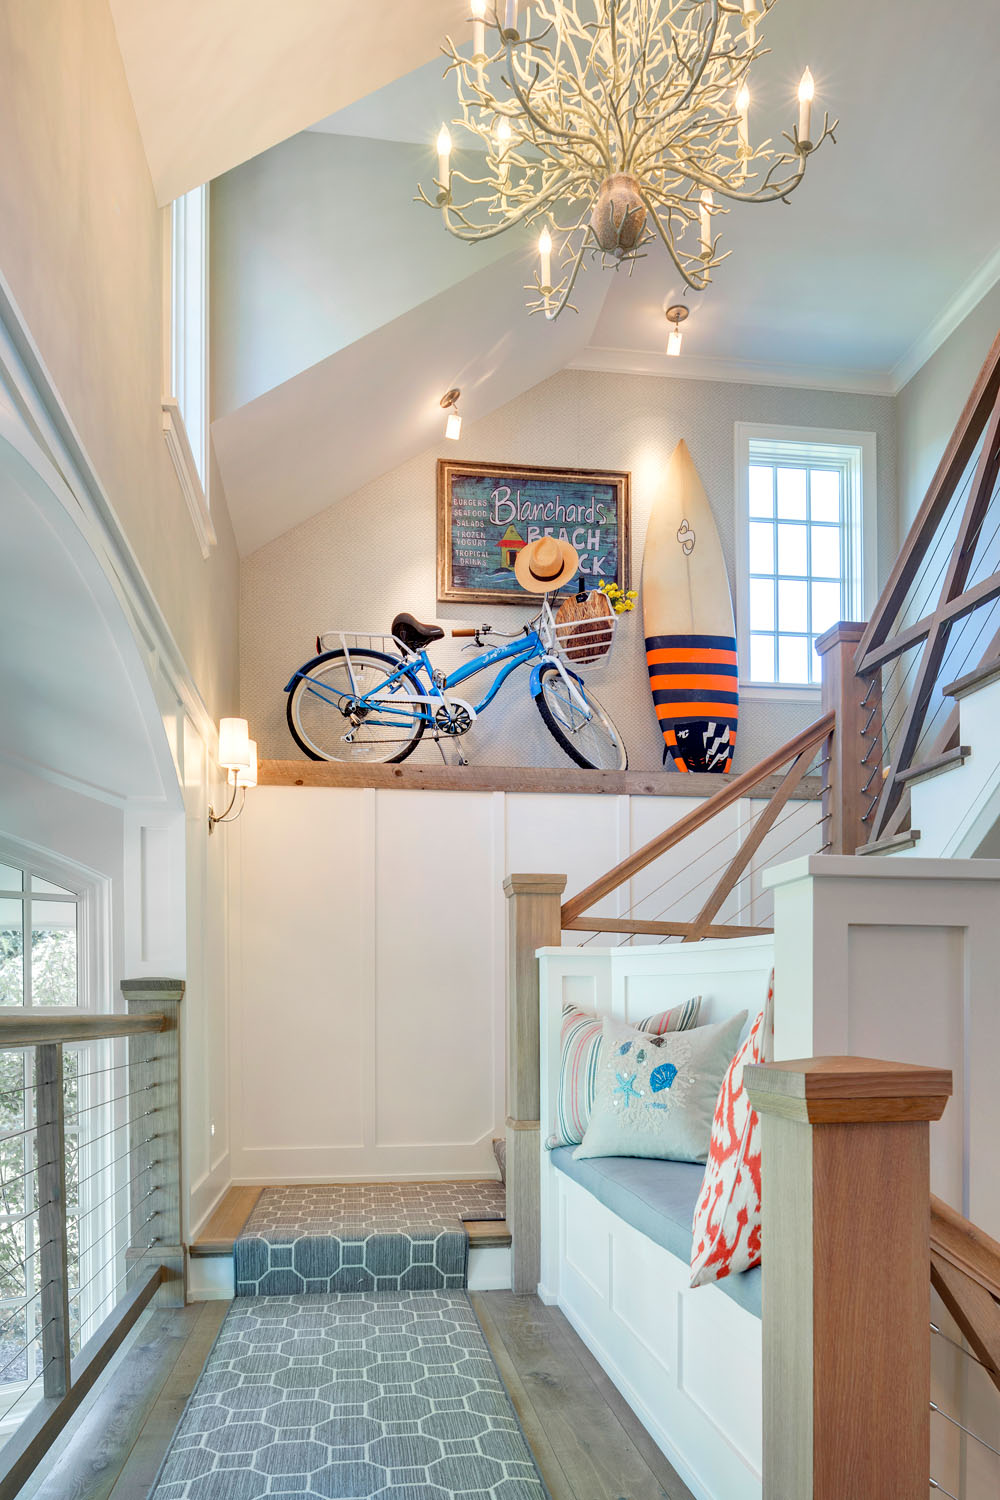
<point x="955" y="797"/>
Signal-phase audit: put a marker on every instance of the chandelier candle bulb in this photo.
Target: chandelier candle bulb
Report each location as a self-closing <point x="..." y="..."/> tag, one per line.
<point x="510" y="30"/>
<point x="545" y="256"/>
<point x="807" y="92"/>
<point x="444" y="159"/>
<point x="479" y="29"/>
<point x="705" y="212"/>
<point x="743" y="124"/>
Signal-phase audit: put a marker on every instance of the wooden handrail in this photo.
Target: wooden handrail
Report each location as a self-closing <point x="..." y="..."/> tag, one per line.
<point x="35" y="1028"/>
<point x="965" y="1273"/>
<point x="965" y="1246"/>
<point x="738" y="787"/>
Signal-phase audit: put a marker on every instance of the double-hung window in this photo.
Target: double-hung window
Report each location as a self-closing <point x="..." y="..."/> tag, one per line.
<point x="805" y="528"/>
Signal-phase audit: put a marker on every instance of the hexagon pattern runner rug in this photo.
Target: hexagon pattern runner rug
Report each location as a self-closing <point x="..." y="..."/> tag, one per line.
<point x="393" y="1395"/>
<point x="362" y="1237"/>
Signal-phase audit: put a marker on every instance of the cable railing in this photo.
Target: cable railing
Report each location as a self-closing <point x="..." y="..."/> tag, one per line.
<point x="89" y="1203"/>
<point x="724" y="900"/>
<point x="938" y="618"/>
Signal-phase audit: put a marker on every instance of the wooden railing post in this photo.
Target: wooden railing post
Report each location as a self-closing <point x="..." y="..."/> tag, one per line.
<point x="857" y="703"/>
<point x="846" y="1253"/>
<point x="53" y="1263"/>
<point x="155" y="1139"/>
<point x="533" y="922"/>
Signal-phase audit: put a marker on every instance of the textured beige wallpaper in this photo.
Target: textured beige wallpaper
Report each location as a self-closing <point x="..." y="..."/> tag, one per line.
<point x="357" y="563"/>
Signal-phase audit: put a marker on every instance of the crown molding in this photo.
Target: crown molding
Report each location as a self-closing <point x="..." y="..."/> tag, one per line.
<point x="953" y="313"/>
<point x="736" y="371"/>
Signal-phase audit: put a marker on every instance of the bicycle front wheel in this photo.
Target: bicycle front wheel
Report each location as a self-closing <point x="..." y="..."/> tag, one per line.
<point x="588" y="736"/>
<point x="327" y="721"/>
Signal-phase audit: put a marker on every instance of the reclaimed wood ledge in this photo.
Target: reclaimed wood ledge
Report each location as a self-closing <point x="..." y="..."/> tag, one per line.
<point x="570" y="781"/>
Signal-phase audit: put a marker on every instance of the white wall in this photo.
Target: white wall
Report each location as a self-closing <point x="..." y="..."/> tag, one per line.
<point x="929" y="405"/>
<point x="369" y="959"/>
<point x="366" y="557"/>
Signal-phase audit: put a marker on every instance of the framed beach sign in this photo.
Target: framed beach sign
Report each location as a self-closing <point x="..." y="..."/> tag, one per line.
<point x="488" y="512"/>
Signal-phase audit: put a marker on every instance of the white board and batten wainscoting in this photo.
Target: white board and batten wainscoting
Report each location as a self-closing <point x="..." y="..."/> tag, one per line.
<point x="687" y="1361"/>
<point x="368" y="951"/>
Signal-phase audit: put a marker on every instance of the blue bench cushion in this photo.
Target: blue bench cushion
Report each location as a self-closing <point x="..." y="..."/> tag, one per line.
<point x="658" y="1198"/>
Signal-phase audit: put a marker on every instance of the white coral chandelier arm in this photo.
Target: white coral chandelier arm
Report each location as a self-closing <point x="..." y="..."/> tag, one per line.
<point x="619" y="124"/>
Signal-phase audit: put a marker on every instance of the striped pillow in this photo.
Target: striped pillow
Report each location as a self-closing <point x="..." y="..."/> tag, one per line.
<point x="581" y="1057"/>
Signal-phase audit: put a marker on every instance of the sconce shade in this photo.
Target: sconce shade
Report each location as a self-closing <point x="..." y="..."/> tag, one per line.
<point x="249" y="777"/>
<point x="234" y="745"/>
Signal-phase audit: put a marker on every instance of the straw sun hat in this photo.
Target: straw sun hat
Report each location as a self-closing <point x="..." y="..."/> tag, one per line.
<point x="545" y="565"/>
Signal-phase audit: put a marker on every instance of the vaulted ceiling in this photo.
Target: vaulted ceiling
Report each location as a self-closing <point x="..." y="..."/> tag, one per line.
<point x="343" y="310"/>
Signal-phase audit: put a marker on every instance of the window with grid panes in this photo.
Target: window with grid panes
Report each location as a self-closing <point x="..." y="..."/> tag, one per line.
<point x="804" y="551"/>
<point x="40" y="944"/>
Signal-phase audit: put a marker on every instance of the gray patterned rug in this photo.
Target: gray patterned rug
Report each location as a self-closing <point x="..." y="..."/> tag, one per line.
<point x="349" y="1397"/>
<point x="361" y="1237"/>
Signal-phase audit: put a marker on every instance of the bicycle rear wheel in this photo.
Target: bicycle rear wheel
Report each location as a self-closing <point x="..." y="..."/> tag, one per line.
<point x="588" y="737"/>
<point x="325" y="720"/>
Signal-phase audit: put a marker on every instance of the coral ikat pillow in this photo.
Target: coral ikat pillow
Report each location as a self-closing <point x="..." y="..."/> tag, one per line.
<point x="581" y="1055"/>
<point x="726" y="1228"/>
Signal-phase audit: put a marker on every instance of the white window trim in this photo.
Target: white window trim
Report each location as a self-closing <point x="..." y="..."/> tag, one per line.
<point x="744" y="433"/>
<point x="186" y="465"/>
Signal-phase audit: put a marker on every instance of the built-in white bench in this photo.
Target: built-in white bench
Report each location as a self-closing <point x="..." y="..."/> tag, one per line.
<point x="615" y="1244"/>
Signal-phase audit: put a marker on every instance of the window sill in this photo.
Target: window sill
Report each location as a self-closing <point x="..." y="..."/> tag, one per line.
<point x="187" y="474"/>
<point x="776" y="692"/>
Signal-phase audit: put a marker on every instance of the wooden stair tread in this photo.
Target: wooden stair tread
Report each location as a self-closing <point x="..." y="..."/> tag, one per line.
<point x="485" y="1234"/>
<point x="904" y="840"/>
<point x="224" y="1224"/>
<point x="968" y="683"/>
<point x="928" y="768"/>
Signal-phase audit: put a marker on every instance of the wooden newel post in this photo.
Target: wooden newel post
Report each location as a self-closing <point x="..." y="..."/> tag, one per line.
<point x="846" y="1243"/>
<point x="533" y="922"/>
<point x="857" y="703"/>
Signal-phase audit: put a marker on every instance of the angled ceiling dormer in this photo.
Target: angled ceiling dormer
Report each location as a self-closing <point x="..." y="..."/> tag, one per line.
<point x="215" y="82"/>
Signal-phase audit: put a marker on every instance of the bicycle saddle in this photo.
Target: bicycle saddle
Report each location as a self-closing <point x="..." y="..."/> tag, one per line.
<point x="413" y="635"/>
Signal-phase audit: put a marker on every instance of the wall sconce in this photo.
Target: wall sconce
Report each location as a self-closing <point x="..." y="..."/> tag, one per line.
<point x="238" y="757"/>
<point x="676" y="315"/>
<point x="449" y="402"/>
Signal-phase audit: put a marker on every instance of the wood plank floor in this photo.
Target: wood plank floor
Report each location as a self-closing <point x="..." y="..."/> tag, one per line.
<point x="586" y="1441"/>
<point x="116" y="1443"/>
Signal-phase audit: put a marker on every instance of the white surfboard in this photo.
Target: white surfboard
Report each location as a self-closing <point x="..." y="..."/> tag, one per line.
<point x="688" y="623"/>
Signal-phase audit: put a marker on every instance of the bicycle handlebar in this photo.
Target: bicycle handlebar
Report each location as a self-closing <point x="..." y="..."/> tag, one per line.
<point x="465" y="632"/>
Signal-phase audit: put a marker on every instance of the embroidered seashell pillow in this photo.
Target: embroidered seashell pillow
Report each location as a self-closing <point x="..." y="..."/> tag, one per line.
<point x="655" y="1096"/>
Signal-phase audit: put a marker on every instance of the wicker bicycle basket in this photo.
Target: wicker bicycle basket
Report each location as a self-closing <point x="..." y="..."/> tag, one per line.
<point x="585" y="629"/>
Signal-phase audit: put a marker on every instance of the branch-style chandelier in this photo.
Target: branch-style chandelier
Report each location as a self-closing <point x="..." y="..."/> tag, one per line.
<point x="614" y="123"/>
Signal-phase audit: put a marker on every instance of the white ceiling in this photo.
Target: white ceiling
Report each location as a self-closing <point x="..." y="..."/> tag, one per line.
<point x="892" y="236"/>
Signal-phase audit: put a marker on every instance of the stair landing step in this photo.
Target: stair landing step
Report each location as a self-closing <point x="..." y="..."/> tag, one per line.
<point x="889" y="845"/>
<point x="227" y="1221"/>
<point x="928" y="768"/>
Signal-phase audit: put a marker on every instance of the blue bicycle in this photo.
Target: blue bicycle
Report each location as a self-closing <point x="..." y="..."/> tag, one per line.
<point x="370" y="698"/>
